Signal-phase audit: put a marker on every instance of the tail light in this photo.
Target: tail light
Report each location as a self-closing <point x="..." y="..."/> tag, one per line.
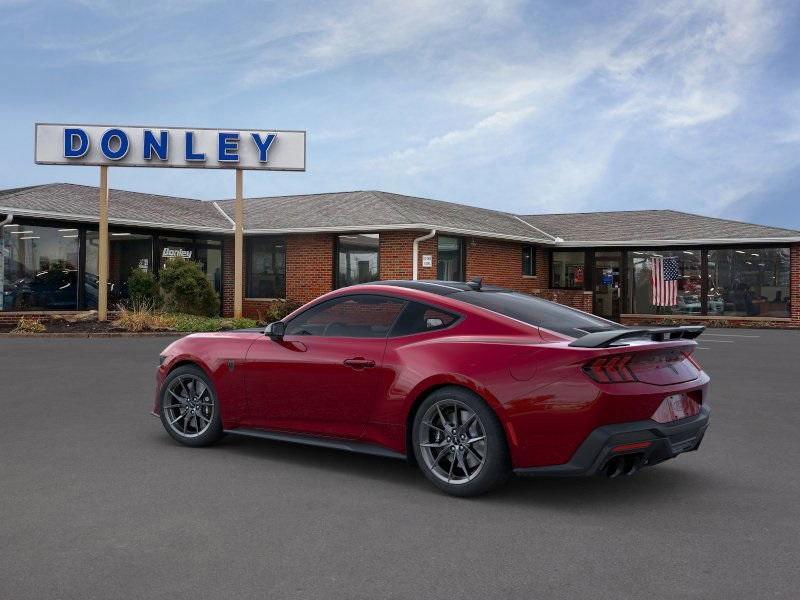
<point x="660" y="367"/>
<point x="611" y="369"/>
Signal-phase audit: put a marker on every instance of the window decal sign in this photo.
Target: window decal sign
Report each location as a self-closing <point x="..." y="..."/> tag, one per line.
<point x="176" y="253"/>
<point x="189" y="148"/>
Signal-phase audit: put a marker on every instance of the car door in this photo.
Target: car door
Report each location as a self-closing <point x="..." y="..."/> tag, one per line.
<point x="325" y="376"/>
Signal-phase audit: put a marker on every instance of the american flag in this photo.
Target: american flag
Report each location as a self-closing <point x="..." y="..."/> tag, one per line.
<point x="664" y="277"/>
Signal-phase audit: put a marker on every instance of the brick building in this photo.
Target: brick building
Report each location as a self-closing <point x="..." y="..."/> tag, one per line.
<point x="298" y="247"/>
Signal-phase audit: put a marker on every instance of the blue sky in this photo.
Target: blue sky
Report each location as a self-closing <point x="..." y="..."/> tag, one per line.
<point x="556" y="106"/>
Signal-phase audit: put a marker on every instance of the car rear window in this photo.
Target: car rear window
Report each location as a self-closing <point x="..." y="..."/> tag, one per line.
<point x="538" y="312"/>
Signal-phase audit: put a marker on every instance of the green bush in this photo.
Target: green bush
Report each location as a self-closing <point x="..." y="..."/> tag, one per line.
<point x="143" y="289"/>
<point x="193" y="323"/>
<point x="186" y="289"/>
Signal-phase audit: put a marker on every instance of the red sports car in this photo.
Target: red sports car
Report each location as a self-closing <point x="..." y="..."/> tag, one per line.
<point x="468" y="381"/>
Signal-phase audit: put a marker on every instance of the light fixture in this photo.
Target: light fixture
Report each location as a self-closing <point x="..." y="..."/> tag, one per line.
<point x="30" y="237"/>
<point x="74" y="235"/>
<point x="118" y="234"/>
<point x="747" y="262"/>
<point x="12" y="225"/>
<point x="688" y="252"/>
<point x="61" y="230"/>
<point x="21" y="232"/>
<point x="741" y="252"/>
<point x="753" y="254"/>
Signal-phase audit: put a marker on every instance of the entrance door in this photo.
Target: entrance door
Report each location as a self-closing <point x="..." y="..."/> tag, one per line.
<point x="607" y="284"/>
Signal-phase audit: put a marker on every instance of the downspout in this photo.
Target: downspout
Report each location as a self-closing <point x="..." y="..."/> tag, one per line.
<point x="7" y="220"/>
<point x="415" y="252"/>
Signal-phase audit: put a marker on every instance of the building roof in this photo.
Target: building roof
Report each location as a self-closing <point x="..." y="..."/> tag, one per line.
<point x="373" y="210"/>
<point x="365" y="211"/>
<point x="634" y="227"/>
<point x="72" y="202"/>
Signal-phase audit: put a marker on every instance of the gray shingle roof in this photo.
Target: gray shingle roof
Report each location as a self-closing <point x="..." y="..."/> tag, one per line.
<point x="650" y="225"/>
<point x="70" y="201"/>
<point x="374" y="210"/>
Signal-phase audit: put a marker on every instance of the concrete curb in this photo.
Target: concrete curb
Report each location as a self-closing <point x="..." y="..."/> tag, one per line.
<point x="99" y="334"/>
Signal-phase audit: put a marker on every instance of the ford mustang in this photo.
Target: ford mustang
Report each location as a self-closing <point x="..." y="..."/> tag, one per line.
<point x="470" y="382"/>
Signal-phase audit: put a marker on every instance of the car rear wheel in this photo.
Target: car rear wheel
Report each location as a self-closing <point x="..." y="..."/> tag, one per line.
<point x="189" y="407"/>
<point x="459" y="443"/>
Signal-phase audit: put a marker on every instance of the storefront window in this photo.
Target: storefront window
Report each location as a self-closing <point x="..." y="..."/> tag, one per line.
<point x="450" y="265"/>
<point x="357" y="259"/>
<point x="747" y="282"/>
<point x="665" y="282"/>
<point x="128" y="252"/>
<point x="266" y="267"/>
<point x="209" y="255"/>
<point x="568" y="270"/>
<point x="39" y="268"/>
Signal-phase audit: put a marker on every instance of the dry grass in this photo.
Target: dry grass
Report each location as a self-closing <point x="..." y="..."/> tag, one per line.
<point x="26" y="325"/>
<point x="141" y="317"/>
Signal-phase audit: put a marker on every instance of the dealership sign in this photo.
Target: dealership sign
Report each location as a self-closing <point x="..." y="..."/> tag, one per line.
<point x="193" y="148"/>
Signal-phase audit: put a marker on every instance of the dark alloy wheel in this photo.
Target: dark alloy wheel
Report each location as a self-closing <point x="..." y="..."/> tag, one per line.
<point x="189" y="407"/>
<point x="459" y="444"/>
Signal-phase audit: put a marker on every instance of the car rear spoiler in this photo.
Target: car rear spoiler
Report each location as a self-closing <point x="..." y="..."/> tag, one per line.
<point x="604" y="339"/>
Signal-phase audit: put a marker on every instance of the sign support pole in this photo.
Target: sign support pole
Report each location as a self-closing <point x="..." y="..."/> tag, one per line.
<point x="238" y="255"/>
<point x="102" y="256"/>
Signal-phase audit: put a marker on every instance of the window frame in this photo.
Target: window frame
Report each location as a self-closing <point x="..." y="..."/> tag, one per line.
<point x="533" y="260"/>
<point x="248" y="272"/>
<point x="462" y="251"/>
<point x="588" y="265"/>
<point x="338" y="284"/>
<point x="342" y="298"/>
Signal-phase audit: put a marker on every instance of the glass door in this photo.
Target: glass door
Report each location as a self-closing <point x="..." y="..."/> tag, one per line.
<point x="607" y="283"/>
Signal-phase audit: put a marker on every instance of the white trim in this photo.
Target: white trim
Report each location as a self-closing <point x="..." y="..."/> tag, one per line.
<point x="94" y="219"/>
<point x="554" y="238"/>
<point x="686" y="242"/>
<point x="404" y="227"/>
<point x="224" y="214"/>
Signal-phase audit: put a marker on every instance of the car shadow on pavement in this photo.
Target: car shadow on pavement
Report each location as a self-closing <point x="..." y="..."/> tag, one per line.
<point x="654" y="486"/>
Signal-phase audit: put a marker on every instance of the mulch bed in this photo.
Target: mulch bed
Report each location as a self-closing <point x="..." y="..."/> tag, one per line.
<point x="62" y="326"/>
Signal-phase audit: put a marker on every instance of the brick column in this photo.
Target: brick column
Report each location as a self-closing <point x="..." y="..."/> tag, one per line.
<point x="227" y="277"/>
<point x="396" y="250"/>
<point x="309" y="266"/>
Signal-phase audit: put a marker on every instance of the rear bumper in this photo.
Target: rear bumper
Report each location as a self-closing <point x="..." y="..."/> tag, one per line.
<point x="666" y="440"/>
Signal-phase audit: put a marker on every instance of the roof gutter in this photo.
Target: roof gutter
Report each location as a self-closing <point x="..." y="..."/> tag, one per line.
<point x="684" y="242"/>
<point x="415" y="252"/>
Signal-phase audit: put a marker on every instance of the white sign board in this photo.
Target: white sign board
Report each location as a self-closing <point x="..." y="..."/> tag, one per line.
<point x="427" y="260"/>
<point x="189" y="148"/>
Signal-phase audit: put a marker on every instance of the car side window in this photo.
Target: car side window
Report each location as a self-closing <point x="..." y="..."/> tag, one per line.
<point x="419" y="318"/>
<point x="357" y="316"/>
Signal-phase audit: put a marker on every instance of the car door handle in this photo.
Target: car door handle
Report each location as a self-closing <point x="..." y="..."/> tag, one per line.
<point x="359" y="363"/>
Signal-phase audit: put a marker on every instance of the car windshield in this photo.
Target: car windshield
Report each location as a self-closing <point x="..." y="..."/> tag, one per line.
<point x="538" y="312"/>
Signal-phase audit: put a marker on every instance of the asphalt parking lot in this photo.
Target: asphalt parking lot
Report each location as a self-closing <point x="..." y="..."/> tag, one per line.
<point x="96" y="501"/>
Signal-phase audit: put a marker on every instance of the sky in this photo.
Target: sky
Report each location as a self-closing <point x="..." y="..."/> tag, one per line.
<point x="529" y="107"/>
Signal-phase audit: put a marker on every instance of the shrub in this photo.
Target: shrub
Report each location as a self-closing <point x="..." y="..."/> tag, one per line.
<point x="186" y="289"/>
<point x="194" y="324"/>
<point x="26" y="325"/>
<point x="141" y="317"/>
<point x="143" y="289"/>
<point x="278" y="310"/>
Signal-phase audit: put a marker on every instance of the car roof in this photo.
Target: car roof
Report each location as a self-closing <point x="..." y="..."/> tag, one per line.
<point x="437" y="286"/>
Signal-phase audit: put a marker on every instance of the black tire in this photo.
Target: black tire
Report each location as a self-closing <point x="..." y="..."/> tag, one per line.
<point x="454" y="404"/>
<point x="202" y="428"/>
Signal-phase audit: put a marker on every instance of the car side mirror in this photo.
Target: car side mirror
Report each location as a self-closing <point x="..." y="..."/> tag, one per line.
<point x="275" y="330"/>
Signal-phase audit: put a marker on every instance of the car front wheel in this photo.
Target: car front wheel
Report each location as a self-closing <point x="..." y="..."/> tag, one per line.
<point x="459" y="443"/>
<point x="190" y="408"/>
